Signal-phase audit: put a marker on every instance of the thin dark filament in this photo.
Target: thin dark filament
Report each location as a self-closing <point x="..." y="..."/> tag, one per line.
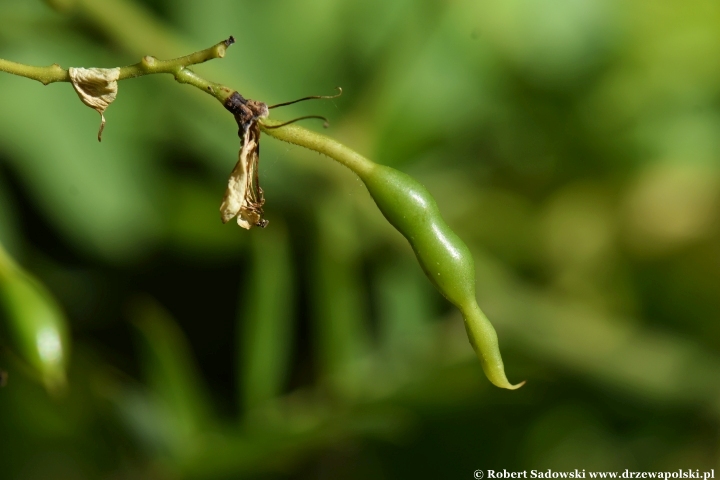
<point x="314" y="97"/>
<point x="325" y="125"/>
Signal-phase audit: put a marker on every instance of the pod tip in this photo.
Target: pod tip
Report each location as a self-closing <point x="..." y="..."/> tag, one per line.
<point x="516" y="386"/>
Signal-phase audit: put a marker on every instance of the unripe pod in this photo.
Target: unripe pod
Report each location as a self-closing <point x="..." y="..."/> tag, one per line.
<point x="410" y="208"/>
<point x="35" y="324"/>
<point x="446" y="260"/>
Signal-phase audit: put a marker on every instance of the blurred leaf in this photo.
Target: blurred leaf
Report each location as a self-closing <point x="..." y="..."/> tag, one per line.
<point x="194" y="226"/>
<point x="405" y="303"/>
<point x="570" y="435"/>
<point x="556" y="41"/>
<point x="37" y="327"/>
<point x="341" y="335"/>
<point x="8" y="222"/>
<point x="265" y="320"/>
<point x="179" y="395"/>
<point x="651" y="364"/>
<point x="266" y="53"/>
<point x="669" y="207"/>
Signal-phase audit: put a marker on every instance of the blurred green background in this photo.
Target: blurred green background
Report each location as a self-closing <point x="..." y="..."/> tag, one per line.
<point x="574" y="145"/>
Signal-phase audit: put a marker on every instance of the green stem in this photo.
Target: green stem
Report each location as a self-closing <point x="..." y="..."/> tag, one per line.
<point x="129" y="25"/>
<point x="320" y="143"/>
<point x="44" y="75"/>
<point x="147" y="66"/>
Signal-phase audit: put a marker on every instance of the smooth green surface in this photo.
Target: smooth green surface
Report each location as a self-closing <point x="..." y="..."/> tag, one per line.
<point x="266" y="319"/>
<point x="444" y="258"/>
<point x="35" y="325"/>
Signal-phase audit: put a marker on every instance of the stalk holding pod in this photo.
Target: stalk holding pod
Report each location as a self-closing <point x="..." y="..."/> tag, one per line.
<point x="406" y="204"/>
<point x="410" y="208"/>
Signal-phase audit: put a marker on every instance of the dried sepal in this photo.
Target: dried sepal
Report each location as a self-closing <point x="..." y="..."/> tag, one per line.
<point x="244" y="197"/>
<point x="97" y="88"/>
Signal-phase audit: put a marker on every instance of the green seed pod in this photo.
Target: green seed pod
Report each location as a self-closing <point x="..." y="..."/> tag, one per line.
<point x="446" y="260"/>
<point x="35" y="324"/>
<point x="410" y="208"/>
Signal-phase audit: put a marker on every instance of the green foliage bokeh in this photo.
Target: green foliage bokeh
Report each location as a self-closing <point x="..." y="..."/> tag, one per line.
<point x="574" y="146"/>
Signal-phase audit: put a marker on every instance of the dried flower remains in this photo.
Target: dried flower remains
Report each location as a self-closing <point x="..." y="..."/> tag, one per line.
<point x="97" y="88"/>
<point x="243" y="197"/>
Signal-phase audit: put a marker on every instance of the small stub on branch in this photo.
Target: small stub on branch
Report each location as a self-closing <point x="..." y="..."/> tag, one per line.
<point x="97" y="88"/>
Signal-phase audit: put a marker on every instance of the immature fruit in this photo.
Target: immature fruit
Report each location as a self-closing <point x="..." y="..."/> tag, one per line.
<point x="35" y="325"/>
<point x="410" y="208"/>
<point x="446" y="260"/>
